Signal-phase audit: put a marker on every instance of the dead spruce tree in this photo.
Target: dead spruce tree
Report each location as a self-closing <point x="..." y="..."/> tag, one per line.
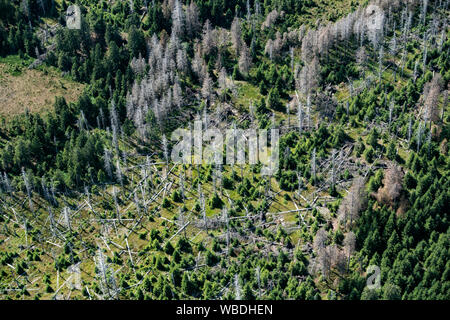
<point x="236" y="35"/>
<point x="207" y="89"/>
<point x="361" y="59"/>
<point x="237" y="288"/>
<point x="7" y="184"/>
<point x="119" y="174"/>
<point x="419" y="135"/>
<point x="244" y="60"/>
<point x="349" y="244"/>
<point x="313" y="166"/>
<point x="207" y="38"/>
<point x="67" y="218"/>
<point x="322" y="260"/>
<point x="178" y="19"/>
<point x="432" y="92"/>
<point x="423" y="13"/>
<point x="320" y="240"/>
<point x="107" y="162"/>
<point x="193" y="25"/>
<point x="392" y="185"/>
<point x="29" y="188"/>
<point x="352" y="204"/>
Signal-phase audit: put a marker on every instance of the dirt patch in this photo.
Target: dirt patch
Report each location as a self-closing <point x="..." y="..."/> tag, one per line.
<point x="34" y="90"/>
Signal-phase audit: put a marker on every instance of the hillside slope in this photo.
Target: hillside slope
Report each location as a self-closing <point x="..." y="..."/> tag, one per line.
<point x="92" y="207"/>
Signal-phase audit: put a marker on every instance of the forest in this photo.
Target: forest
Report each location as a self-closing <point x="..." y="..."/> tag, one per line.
<point x="93" y="208"/>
